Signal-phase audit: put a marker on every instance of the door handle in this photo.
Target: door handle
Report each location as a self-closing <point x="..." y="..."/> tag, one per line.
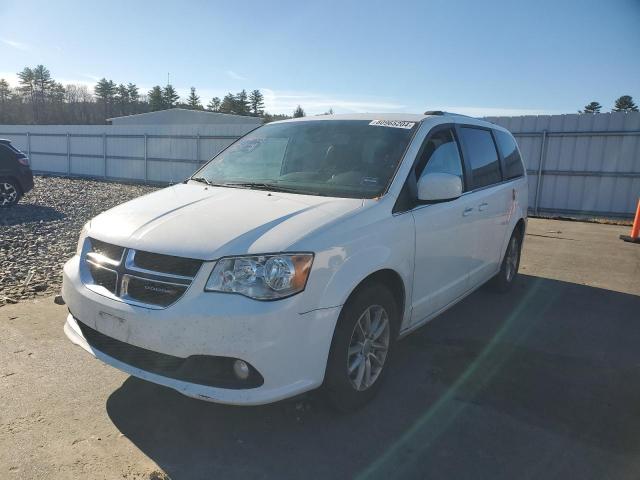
<point x="483" y="206"/>
<point x="467" y="211"/>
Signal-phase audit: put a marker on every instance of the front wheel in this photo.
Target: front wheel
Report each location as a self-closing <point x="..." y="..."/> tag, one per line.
<point x="9" y="192"/>
<point x="505" y="278"/>
<point x="361" y="346"/>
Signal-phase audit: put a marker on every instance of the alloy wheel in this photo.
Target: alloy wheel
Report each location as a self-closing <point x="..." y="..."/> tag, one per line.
<point x="511" y="262"/>
<point x="8" y="194"/>
<point x="368" y="347"/>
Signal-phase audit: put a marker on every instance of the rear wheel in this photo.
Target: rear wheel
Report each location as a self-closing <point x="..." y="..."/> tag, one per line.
<point x="9" y="192"/>
<point x="505" y="278"/>
<point x="361" y="346"/>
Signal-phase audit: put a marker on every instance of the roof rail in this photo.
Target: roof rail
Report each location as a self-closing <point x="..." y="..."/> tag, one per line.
<point x="441" y="112"/>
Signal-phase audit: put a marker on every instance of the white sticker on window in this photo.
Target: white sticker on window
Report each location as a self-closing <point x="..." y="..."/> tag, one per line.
<point x="393" y="123"/>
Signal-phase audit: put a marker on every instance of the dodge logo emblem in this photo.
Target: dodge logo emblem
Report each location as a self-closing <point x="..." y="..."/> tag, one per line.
<point x="154" y="288"/>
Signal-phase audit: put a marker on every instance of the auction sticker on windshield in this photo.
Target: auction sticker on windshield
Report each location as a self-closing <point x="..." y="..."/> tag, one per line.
<point x="393" y="123"/>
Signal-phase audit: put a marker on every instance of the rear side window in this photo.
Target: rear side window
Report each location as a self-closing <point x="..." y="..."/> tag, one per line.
<point x="5" y="152"/>
<point x="9" y="151"/>
<point x="482" y="155"/>
<point x="512" y="162"/>
<point x="11" y="147"/>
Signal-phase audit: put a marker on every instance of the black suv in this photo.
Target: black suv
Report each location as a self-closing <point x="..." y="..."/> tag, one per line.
<point x="16" y="177"/>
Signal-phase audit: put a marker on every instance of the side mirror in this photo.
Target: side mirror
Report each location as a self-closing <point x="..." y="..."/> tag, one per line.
<point x="438" y="187"/>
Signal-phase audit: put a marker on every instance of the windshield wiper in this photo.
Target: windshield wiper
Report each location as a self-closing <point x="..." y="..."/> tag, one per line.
<point x="201" y="180"/>
<point x="217" y="184"/>
<point x="273" y="188"/>
<point x="255" y="186"/>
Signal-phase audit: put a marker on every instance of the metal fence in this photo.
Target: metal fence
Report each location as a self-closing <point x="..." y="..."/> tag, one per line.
<point x="153" y="155"/>
<point x="580" y="164"/>
<point x="577" y="164"/>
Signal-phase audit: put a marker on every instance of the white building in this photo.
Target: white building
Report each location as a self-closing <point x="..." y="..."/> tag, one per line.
<point x="183" y="116"/>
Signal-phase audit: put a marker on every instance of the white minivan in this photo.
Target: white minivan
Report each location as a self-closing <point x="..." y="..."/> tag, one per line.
<point x="299" y="255"/>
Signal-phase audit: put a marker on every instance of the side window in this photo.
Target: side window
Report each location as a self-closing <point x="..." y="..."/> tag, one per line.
<point x="440" y="155"/>
<point x="512" y="162"/>
<point x="483" y="157"/>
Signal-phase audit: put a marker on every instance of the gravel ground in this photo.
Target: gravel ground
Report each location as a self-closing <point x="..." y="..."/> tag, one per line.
<point x="40" y="233"/>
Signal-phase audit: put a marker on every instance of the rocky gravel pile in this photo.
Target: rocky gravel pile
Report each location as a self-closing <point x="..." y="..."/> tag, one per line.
<point x="38" y="235"/>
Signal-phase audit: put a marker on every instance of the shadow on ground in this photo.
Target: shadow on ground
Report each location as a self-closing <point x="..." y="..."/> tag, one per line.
<point x="28" y="213"/>
<point x="541" y="383"/>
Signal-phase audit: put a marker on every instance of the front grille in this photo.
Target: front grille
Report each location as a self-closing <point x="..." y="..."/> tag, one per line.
<point x="205" y="370"/>
<point x="112" y="252"/>
<point x="167" y="264"/>
<point x="138" y="277"/>
<point x="156" y="293"/>
<point x="104" y="277"/>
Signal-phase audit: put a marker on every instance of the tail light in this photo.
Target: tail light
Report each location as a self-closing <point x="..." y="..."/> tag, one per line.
<point x="23" y="161"/>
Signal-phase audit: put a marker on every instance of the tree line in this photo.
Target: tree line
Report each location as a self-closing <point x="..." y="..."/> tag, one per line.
<point x="624" y="104"/>
<point x="40" y="99"/>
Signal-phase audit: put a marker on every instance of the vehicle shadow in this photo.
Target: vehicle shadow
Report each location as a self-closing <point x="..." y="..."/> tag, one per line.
<point x="28" y="213"/>
<point x="544" y="382"/>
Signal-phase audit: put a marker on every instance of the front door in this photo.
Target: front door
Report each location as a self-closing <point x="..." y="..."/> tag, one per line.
<point x="444" y="232"/>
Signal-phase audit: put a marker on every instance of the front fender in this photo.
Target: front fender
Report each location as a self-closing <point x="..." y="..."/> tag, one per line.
<point x="389" y="244"/>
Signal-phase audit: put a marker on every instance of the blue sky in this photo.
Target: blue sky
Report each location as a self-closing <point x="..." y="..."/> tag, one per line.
<point x="475" y="57"/>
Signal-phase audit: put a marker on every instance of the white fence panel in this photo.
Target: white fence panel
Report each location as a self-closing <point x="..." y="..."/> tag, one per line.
<point x="590" y="163"/>
<point x="157" y="153"/>
<point x="577" y="164"/>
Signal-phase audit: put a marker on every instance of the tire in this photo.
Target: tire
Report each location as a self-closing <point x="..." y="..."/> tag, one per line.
<point x="10" y="192"/>
<point x="504" y="280"/>
<point x="358" y="341"/>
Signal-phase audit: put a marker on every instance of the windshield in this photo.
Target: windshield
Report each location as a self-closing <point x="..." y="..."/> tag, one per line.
<point x="337" y="158"/>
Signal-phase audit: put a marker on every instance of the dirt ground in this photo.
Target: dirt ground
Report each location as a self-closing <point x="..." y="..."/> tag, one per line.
<point x="541" y="383"/>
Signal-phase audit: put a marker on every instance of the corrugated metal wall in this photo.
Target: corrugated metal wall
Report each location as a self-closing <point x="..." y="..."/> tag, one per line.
<point x="580" y="164"/>
<point x="156" y="153"/>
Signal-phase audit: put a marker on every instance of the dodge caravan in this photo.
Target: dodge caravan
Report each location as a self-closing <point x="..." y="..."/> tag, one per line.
<point x="299" y="255"/>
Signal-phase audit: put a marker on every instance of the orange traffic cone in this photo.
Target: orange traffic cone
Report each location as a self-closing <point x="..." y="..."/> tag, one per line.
<point x="635" y="230"/>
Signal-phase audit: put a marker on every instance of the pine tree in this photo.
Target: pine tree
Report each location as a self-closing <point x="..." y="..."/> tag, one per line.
<point x="170" y="96"/>
<point x="625" y="104"/>
<point x="156" y="99"/>
<point x="55" y="97"/>
<point x="228" y="104"/>
<point x="242" y="103"/>
<point x="27" y="89"/>
<point x="214" y="105"/>
<point x="122" y="98"/>
<point x="298" y="112"/>
<point x="56" y="93"/>
<point x="593" y="107"/>
<point x="43" y="84"/>
<point x="193" y="100"/>
<point x="256" y="101"/>
<point x="134" y="96"/>
<point x="5" y="91"/>
<point x="105" y="90"/>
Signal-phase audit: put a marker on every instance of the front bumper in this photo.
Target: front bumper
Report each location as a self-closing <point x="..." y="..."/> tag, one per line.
<point x="288" y="348"/>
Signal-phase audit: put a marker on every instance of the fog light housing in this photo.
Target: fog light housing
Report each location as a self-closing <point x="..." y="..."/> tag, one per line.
<point x="241" y="369"/>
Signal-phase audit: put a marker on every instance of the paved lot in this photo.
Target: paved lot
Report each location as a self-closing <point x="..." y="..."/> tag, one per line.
<point x="542" y="383"/>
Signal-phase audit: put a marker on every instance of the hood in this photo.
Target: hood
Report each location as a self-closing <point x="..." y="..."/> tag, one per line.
<point x="197" y="221"/>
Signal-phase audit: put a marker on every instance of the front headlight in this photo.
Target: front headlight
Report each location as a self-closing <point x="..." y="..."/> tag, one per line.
<point x="262" y="277"/>
<point x="83" y="236"/>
